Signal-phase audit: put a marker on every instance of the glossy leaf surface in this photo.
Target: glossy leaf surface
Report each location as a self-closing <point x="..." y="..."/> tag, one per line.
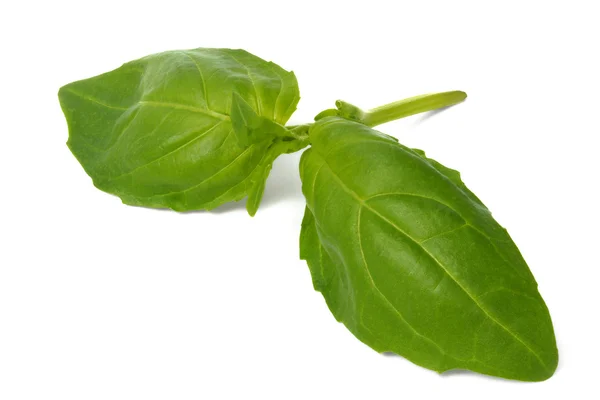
<point x="159" y="131"/>
<point x="413" y="263"/>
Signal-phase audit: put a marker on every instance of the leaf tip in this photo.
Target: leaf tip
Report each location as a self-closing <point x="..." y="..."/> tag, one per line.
<point x="459" y="95"/>
<point x="251" y="208"/>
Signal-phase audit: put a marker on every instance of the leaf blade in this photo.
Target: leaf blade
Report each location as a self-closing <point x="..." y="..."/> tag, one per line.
<point x="357" y="168"/>
<point x="154" y="130"/>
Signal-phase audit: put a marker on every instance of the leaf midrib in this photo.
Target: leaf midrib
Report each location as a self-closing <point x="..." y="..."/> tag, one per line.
<point x="201" y="134"/>
<point x="199" y="110"/>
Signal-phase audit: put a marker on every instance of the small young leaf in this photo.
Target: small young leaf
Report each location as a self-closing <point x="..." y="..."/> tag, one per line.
<point x="251" y="128"/>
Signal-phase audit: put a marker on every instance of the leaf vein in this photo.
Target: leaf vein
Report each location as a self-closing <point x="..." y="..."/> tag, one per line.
<point x="201" y="78"/>
<point x="185" y="107"/>
<point x="219" y="171"/>
<point x="239" y="183"/>
<point x="374" y="285"/>
<point x="487" y="237"/>
<point x="94" y="100"/>
<point x="189" y="142"/>
<point x="443" y="233"/>
<point x="258" y="102"/>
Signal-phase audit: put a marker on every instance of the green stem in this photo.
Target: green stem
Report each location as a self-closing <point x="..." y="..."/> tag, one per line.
<point x="299" y="135"/>
<point x="400" y="109"/>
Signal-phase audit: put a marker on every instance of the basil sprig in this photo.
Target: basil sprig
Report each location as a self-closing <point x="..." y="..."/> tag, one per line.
<point x="405" y="255"/>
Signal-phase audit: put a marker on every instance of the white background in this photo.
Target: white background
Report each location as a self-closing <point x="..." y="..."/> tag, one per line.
<point x="99" y="300"/>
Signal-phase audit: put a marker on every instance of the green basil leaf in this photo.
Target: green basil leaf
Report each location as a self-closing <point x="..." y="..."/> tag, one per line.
<point x="159" y="131"/>
<point x="413" y="263"/>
